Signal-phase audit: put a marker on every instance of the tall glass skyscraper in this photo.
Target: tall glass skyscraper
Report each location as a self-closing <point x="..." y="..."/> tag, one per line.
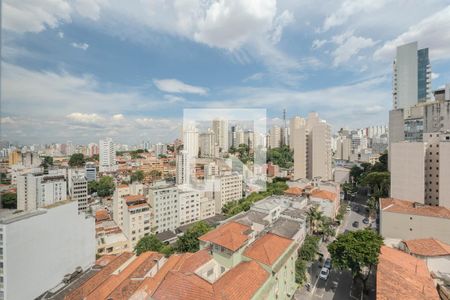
<point x="412" y="76"/>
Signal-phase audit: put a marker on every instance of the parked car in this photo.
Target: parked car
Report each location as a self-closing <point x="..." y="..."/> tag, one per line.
<point x="324" y="273"/>
<point x="327" y="264"/>
<point x="356" y="208"/>
<point x="355" y="224"/>
<point x="349" y="208"/>
<point x="366" y="221"/>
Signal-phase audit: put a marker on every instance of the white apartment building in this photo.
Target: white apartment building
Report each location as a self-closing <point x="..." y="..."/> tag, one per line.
<point x="119" y="195"/>
<point x="107" y="156"/>
<point x="311" y="142"/>
<point x="91" y="171"/>
<point x="343" y="148"/>
<point x="183" y="171"/>
<point x="220" y="129"/>
<point x="225" y="189"/>
<point x="190" y="141"/>
<point x="207" y="207"/>
<point x="207" y="144"/>
<point x="79" y="192"/>
<point x="163" y="199"/>
<point x="36" y="190"/>
<point x="420" y="170"/>
<point x="39" y="247"/>
<point x="189" y="206"/>
<point x="275" y="137"/>
<point x="136" y="219"/>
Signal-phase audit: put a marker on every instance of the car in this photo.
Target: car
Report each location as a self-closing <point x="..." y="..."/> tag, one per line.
<point x="366" y="221"/>
<point x="327" y="263"/>
<point x="348" y="208"/>
<point x="355" y="224"/>
<point x="357" y="208"/>
<point x="324" y="273"/>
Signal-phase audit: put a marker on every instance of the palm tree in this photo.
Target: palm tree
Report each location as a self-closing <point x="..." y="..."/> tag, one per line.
<point x="315" y="218"/>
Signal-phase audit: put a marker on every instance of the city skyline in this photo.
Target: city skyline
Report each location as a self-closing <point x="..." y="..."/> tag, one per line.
<point x="89" y="77"/>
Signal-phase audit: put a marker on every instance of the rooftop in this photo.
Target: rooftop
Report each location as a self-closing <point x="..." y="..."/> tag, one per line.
<point x="294" y="191"/>
<point x="133" y="198"/>
<point x="286" y="228"/>
<point x="402" y="276"/>
<point x="268" y="249"/>
<point x="428" y="247"/>
<point x="323" y="194"/>
<point x="408" y="207"/>
<point x="231" y="235"/>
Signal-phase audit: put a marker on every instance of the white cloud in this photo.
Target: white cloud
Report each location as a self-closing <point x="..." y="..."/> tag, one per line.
<point x="85" y="118"/>
<point x="176" y="86"/>
<point x="431" y="32"/>
<point x="348" y="46"/>
<point x="6" y="120"/>
<point x="118" y="117"/>
<point x="82" y="46"/>
<point x="279" y="23"/>
<point x="318" y="43"/>
<point x="434" y="75"/>
<point x="34" y="16"/>
<point x="174" y="99"/>
<point x="350" y="8"/>
<point x="157" y="123"/>
<point x="89" y="8"/>
<point x="61" y="34"/>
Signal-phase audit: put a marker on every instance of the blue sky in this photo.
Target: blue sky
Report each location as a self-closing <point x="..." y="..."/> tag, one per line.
<point x="85" y="69"/>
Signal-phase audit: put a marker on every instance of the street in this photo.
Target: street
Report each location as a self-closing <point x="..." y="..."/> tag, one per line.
<point x="339" y="284"/>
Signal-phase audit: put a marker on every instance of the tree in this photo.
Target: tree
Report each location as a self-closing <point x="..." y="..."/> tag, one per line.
<point x="355" y="173"/>
<point x="357" y="251"/>
<point x="105" y="186"/>
<point x="148" y="243"/>
<point x="77" y="160"/>
<point x="315" y="218"/>
<point x="9" y="200"/>
<point x="326" y="228"/>
<point x="189" y="242"/>
<point x="47" y="161"/>
<point x="283" y="157"/>
<point x="378" y="183"/>
<point x="155" y="174"/>
<point x="4" y="178"/>
<point x="309" y="248"/>
<point x="137" y="176"/>
<point x="300" y="271"/>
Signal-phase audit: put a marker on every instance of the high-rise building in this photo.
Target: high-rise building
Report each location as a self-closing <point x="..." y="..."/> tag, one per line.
<point x="225" y="189"/>
<point x="275" y="137"/>
<point x="220" y="128"/>
<point x="420" y="170"/>
<point x="79" y="191"/>
<point x="343" y="148"/>
<point x="136" y="218"/>
<point x="207" y="144"/>
<point x="412" y="76"/>
<point x="90" y="171"/>
<point x="183" y="168"/>
<point x="107" y="156"/>
<point x="35" y="190"/>
<point x="164" y="201"/>
<point x="190" y="141"/>
<point x="54" y="241"/>
<point x="311" y="142"/>
<point x="189" y="206"/>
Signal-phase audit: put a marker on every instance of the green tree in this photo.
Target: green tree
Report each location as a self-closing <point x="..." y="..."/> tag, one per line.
<point x="137" y="176"/>
<point x="155" y="174"/>
<point x="283" y="157"/>
<point x="4" y="179"/>
<point x="300" y="271"/>
<point x="105" y="186"/>
<point x="47" y="161"/>
<point x="326" y="228"/>
<point x="189" y="242"/>
<point x="9" y="200"/>
<point x="309" y="248"/>
<point x="315" y="218"/>
<point x="378" y="183"/>
<point x="148" y="243"/>
<point x="77" y="160"/>
<point x="355" y="173"/>
<point x="357" y="251"/>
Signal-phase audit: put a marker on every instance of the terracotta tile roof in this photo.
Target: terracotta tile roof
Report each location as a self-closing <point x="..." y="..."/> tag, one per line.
<point x="428" y="247"/>
<point x="104" y="260"/>
<point x="132" y="283"/>
<point x="294" y="191"/>
<point x="101" y="215"/>
<point x="92" y="283"/>
<point x="194" y="260"/>
<point x="178" y="285"/>
<point x="323" y="194"/>
<point x="133" y="198"/>
<point x="150" y="284"/>
<point x="122" y="186"/>
<point x="268" y="249"/>
<point x="115" y="280"/>
<point x="230" y="235"/>
<point x="402" y="276"/>
<point x="407" y="207"/>
<point x="241" y="282"/>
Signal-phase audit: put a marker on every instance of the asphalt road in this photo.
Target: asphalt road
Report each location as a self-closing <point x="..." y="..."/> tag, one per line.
<point x="339" y="284"/>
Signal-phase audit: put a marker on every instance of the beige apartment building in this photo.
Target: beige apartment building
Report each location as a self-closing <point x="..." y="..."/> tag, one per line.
<point x="163" y="198"/>
<point x="225" y="189"/>
<point x="311" y="142"/>
<point x="136" y="219"/>
<point x="420" y="171"/>
<point x="188" y="206"/>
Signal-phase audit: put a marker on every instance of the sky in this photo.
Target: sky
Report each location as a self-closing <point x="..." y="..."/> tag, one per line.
<point x="81" y="70"/>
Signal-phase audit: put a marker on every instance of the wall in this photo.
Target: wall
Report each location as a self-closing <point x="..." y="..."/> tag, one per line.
<point x="41" y="249"/>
